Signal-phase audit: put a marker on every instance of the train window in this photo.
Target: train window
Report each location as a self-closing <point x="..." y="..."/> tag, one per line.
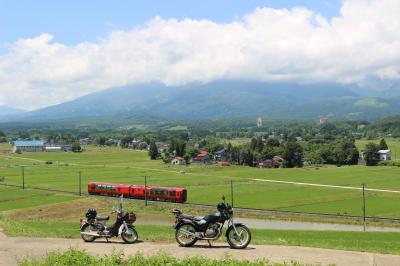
<point x="172" y="193"/>
<point x="184" y="194"/>
<point x="93" y="186"/>
<point x="159" y="191"/>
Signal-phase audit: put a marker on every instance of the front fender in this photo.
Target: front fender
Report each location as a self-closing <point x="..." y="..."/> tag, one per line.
<point x="229" y="228"/>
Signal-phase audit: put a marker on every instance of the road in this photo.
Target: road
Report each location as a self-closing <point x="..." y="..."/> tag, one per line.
<point x="12" y="249"/>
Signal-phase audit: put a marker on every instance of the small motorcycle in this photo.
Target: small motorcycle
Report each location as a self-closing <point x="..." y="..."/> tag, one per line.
<point x="189" y="229"/>
<point x="94" y="226"/>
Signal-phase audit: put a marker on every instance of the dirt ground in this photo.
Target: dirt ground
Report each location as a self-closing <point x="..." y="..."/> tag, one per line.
<point x="13" y="249"/>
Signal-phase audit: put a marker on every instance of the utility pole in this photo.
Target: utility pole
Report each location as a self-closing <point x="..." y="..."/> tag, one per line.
<point x="80" y="183"/>
<point x="363" y="191"/>
<point x="232" y="193"/>
<point x="23" y="177"/>
<point x="145" y="190"/>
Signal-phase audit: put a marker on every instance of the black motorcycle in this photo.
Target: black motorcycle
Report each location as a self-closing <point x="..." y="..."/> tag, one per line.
<point x="94" y="226"/>
<point x="189" y="229"/>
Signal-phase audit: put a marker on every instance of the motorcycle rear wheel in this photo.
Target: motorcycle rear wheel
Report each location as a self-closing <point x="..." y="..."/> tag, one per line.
<point x="130" y="237"/>
<point x="88" y="228"/>
<point x="182" y="238"/>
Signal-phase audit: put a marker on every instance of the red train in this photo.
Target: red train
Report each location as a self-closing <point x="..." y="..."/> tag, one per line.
<point x="173" y="194"/>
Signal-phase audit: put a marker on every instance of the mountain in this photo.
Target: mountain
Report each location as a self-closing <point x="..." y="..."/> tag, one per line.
<point x="219" y="99"/>
<point x="6" y="111"/>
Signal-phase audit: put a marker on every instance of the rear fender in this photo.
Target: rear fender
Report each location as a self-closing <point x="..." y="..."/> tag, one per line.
<point x="229" y="228"/>
<point x="184" y="221"/>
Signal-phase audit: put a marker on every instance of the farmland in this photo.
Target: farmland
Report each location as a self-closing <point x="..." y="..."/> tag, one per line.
<point x="206" y="184"/>
<point x="393" y="145"/>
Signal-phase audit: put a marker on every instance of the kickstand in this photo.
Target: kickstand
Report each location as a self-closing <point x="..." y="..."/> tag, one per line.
<point x="107" y="239"/>
<point x="209" y="243"/>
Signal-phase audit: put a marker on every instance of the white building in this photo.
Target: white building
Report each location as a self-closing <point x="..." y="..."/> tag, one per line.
<point x="385" y="155"/>
<point x="178" y="161"/>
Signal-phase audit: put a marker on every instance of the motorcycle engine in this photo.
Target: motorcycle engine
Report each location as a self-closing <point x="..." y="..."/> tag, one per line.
<point x="212" y="230"/>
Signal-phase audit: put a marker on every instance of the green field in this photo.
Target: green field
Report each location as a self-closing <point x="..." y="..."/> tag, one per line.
<point x="206" y="184"/>
<point x="393" y="145"/>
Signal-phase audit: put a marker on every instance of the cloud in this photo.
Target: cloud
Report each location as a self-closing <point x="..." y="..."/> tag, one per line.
<point x="296" y="45"/>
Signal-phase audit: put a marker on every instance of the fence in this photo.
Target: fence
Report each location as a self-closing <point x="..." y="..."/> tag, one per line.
<point x="273" y="197"/>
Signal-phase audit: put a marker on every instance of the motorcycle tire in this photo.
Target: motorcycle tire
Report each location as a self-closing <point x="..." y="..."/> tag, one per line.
<point x="130" y="238"/>
<point x="232" y="240"/>
<point x="178" y="236"/>
<point x="84" y="229"/>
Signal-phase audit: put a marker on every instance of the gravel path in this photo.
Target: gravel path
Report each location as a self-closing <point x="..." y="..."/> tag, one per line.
<point x="13" y="249"/>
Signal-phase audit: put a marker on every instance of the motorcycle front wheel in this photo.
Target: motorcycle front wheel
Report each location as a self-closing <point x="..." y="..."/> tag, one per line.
<point x="88" y="228"/>
<point x="238" y="240"/>
<point x="130" y="236"/>
<point x="183" y="235"/>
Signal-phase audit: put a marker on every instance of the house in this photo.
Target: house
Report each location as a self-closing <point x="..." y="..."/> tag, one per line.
<point x="162" y="146"/>
<point x="202" y="157"/>
<point x="385" y="155"/>
<point x="224" y="164"/>
<point x="323" y="119"/>
<point x="28" y="146"/>
<point x="134" y="144"/>
<point x="178" y="161"/>
<point x="269" y="163"/>
<point x="85" y="141"/>
<point x="275" y="162"/>
<point x="278" y="161"/>
<point x="221" y="155"/>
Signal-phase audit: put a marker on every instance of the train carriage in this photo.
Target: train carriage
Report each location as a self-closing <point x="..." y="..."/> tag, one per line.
<point x="157" y="193"/>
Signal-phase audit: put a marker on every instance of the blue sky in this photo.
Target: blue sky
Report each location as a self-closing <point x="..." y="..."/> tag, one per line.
<point x="76" y="21"/>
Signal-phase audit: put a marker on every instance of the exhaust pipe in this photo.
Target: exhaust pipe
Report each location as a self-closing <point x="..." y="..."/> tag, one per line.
<point x="90" y="234"/>
<point x="187" y="232"/>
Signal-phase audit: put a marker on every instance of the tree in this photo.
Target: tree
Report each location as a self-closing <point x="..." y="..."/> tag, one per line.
<point x="100" y="141"/>
<point x="76" y="147"/>
<point x="383" y="145"/>
<point x="370" y="153"/>
<point x="166" y="157"/>
<point x="153" y="152"/>
<point x="345" y="152"/>
<point x="293" y="155"/>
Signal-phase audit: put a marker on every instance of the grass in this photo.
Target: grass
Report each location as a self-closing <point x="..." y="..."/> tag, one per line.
<point x="14" y="198"/>
<point x="206" y="184"/>
<point x="393" y="145"/>
<point x="379" y="242"/>
<point x="77" y="257"/>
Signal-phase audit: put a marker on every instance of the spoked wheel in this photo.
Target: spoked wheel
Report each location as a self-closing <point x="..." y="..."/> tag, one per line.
<point x="88" y="228"/>
<point x="240" y="238"/>
<point x="183" y="235"/>
<point x="130" y="236"/>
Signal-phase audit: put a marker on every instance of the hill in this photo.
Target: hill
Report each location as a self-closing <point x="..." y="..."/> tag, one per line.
<point x="220" y="99"/>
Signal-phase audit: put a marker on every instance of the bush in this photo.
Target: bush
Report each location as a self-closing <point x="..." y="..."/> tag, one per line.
<point x="81" y="258"/>
<point x="48" y="162"/>
<point x="389" y="163"/>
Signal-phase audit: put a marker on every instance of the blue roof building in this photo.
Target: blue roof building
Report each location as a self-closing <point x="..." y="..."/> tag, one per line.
<point x="28" y="146"/>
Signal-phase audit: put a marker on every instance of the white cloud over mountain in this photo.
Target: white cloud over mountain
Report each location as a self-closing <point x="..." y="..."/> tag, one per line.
<point x="267" y="44"/>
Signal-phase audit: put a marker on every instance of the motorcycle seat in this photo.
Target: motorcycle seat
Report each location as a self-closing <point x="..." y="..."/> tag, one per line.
<point x="191" y="217"/>
<point x="102" y="218"/>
